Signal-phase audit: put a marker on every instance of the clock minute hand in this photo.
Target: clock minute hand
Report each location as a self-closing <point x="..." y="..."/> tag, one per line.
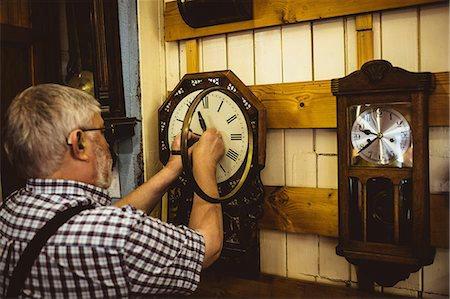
<point x="202" y="121"/>
<point x="367" y="145"/>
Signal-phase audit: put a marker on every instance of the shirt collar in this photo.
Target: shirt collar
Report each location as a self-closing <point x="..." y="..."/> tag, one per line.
<point x="69" y="188"/>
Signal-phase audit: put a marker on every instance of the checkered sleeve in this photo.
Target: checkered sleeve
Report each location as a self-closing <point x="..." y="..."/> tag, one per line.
<point x="161" y="258"/>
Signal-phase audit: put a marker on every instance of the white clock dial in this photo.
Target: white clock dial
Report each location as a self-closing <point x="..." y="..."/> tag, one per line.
<point x="221" y="112"/>
<point x="381" y="135"/>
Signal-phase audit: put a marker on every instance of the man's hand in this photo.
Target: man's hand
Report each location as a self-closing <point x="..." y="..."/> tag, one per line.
<point x="206" y="218"/>
<point x="208" y="150"/>
<point x="175" y="164"/>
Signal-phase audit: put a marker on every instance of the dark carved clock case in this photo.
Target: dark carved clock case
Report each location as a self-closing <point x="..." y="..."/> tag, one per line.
<point x="384" y="225"/>
<point x="240" y="253"/>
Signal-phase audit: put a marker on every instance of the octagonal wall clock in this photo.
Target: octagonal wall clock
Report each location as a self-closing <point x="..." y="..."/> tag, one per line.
<point x="384" y="207"/>
<point x="221" y="101"/>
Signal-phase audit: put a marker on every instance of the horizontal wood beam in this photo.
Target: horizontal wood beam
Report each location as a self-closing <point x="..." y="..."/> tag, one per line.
<point x="279" y="12"/>
<point x="315" y="211"/>
<point x="311" y="104"/>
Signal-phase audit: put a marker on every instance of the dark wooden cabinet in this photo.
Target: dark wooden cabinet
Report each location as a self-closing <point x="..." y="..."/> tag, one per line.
<point x="31" y="36"/>
<point x="94" y="46"/>
<point x="384" y="205"/>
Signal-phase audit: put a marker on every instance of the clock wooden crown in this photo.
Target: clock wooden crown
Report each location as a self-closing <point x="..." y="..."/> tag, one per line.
<point x="384" y="225"/>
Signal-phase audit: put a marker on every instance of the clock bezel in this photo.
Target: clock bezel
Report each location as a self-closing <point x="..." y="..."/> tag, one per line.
<point x="402" y="109"/>
<point x="187" y="161"/>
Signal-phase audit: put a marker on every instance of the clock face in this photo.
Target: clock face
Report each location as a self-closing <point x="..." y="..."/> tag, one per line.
<point x="381" y="135"/>
<point x="218" y="111"/>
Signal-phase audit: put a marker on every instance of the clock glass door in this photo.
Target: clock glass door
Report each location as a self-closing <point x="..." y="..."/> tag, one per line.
<point x="380" y="136"/>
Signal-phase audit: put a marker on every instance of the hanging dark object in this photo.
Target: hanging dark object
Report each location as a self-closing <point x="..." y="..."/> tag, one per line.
<point x="202" y="13"/>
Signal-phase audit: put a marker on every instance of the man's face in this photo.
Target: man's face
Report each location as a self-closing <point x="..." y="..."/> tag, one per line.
<point x="103" y="156"/>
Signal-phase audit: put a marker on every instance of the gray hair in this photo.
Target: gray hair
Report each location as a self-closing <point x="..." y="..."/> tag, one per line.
<point x="38" y="122"/>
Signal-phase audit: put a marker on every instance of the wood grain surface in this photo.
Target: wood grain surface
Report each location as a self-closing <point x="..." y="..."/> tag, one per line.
<point x="279" y="12"/>
<point x="303" y="105"/>
<point x="315" y="211"/>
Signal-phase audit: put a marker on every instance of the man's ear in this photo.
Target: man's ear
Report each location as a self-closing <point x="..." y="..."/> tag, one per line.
<point x="76" y="141"/>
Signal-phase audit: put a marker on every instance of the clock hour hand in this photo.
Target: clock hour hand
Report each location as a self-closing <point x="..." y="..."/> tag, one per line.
<point x="202" y="121"/>
<point x="367" y="145"/>
<point x="368" y="132"/>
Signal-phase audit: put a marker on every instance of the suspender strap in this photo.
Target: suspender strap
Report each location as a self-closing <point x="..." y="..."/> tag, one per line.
<point x="31" y="252"/>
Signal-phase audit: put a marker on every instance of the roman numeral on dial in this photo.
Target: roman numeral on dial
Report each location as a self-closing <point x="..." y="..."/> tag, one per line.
<point x="232" y="155"/>
<point x="236" y="136"/>
<point x="231" y="118"/>
<point x="205" y="102"/>
<point x="220" y="106"/>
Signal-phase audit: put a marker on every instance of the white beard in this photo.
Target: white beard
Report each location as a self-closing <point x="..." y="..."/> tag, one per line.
<point x="104" y="168"/>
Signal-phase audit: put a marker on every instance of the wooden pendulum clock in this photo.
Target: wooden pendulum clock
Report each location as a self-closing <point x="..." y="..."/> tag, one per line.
<point x="384" y="225"/>
<point x="220" y="100"/>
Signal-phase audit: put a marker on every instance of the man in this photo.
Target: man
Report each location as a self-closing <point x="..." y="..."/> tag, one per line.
<point x="54" y="136"/>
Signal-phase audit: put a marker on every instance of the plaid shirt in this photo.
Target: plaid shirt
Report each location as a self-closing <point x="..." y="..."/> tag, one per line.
<point x="99" y="253"/>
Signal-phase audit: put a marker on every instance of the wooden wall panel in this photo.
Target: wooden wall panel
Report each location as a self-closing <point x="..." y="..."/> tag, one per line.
<point x="376" y="28"/>
<point x="302" y="256"/>
<point x="332" y="265"/>
<point x="328" y="49"/>
<point x="268" y="66"/>
<point x="298" y="105"/>
<point x="192" y="56"/>
<point x="183" y="58"/>
<point x="276" y="59"/>
<point x="268" y="69"/>
<point x="311" y="104"/>
<point x="279" y="12"/>
<point x="315" y="211"/>
<point x="351" y="48"/>
<point x="435" y="276"/>
<point x="240" y="56"/>
<point x="214" y="53"/>
<point x="400" y="38"/>
<point x="300" y="158"/>
<point x="364" y="38"/>
<point x="301" y="210"/>
<point x="172" y="65"/>
<point x="434" y="38"/>
<point x="297" y="52"/>
<point x="273" y="252"/>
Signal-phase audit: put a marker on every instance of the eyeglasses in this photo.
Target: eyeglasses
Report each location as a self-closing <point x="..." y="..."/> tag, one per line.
<point x="107" y="131"/>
